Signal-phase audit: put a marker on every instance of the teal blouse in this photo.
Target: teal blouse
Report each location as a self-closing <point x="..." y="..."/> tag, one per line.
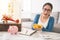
<point x="49" y="26"/>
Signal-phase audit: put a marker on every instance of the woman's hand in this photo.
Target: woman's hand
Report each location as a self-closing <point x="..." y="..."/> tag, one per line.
<point x="37" y="27"/>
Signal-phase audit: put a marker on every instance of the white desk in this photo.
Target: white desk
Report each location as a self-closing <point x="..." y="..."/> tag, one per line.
<point x="7" y="36"/>
<point x="36" y="36"/>
<point x="47" y="35"/>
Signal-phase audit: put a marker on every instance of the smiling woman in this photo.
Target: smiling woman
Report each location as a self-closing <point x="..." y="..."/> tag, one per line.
<point x="44" y="18"/>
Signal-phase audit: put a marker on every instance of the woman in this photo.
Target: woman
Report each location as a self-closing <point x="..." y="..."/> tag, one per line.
<point x="44" y="18"/>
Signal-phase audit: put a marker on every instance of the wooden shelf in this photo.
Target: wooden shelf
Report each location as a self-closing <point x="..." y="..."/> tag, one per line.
<point x="4" y="27"/>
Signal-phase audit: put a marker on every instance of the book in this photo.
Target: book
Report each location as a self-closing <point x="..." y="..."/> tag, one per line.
<point x="27" y="31"/>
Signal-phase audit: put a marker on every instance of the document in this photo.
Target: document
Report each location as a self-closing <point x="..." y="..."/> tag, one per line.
<point x="27" y="31"/>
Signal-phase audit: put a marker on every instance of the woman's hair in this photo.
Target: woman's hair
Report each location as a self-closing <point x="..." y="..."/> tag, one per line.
<point x="49" y="5"/>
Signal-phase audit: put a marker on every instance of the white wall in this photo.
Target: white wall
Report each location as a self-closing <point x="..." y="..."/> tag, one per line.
<point x="26" y="9"/>
<point x="37" y="5"/>
<point x="17" y="9"/>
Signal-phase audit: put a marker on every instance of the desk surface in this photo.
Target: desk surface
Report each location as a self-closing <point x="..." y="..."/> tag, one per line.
<point x="36" y="36"/>
<point x="7" y="36"/>
<point x="47" y="35"/>
<point x="19" y="36"/>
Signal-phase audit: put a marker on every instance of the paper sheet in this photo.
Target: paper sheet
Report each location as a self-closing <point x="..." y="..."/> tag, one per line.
<point x="27" y="31"/>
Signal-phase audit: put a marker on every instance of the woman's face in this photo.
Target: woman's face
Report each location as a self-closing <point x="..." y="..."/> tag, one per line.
<point x="46" y="10"/>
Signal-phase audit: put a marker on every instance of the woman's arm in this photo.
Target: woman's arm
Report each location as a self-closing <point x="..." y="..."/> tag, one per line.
<point x="36" y="20"/>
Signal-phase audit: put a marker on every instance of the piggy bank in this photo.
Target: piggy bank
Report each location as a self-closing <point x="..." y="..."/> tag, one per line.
<point x="37" y="26"/>
<point x="13" y="29"/>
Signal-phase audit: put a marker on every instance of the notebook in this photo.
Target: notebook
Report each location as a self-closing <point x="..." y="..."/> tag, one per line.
<point x="27" y="31"/>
